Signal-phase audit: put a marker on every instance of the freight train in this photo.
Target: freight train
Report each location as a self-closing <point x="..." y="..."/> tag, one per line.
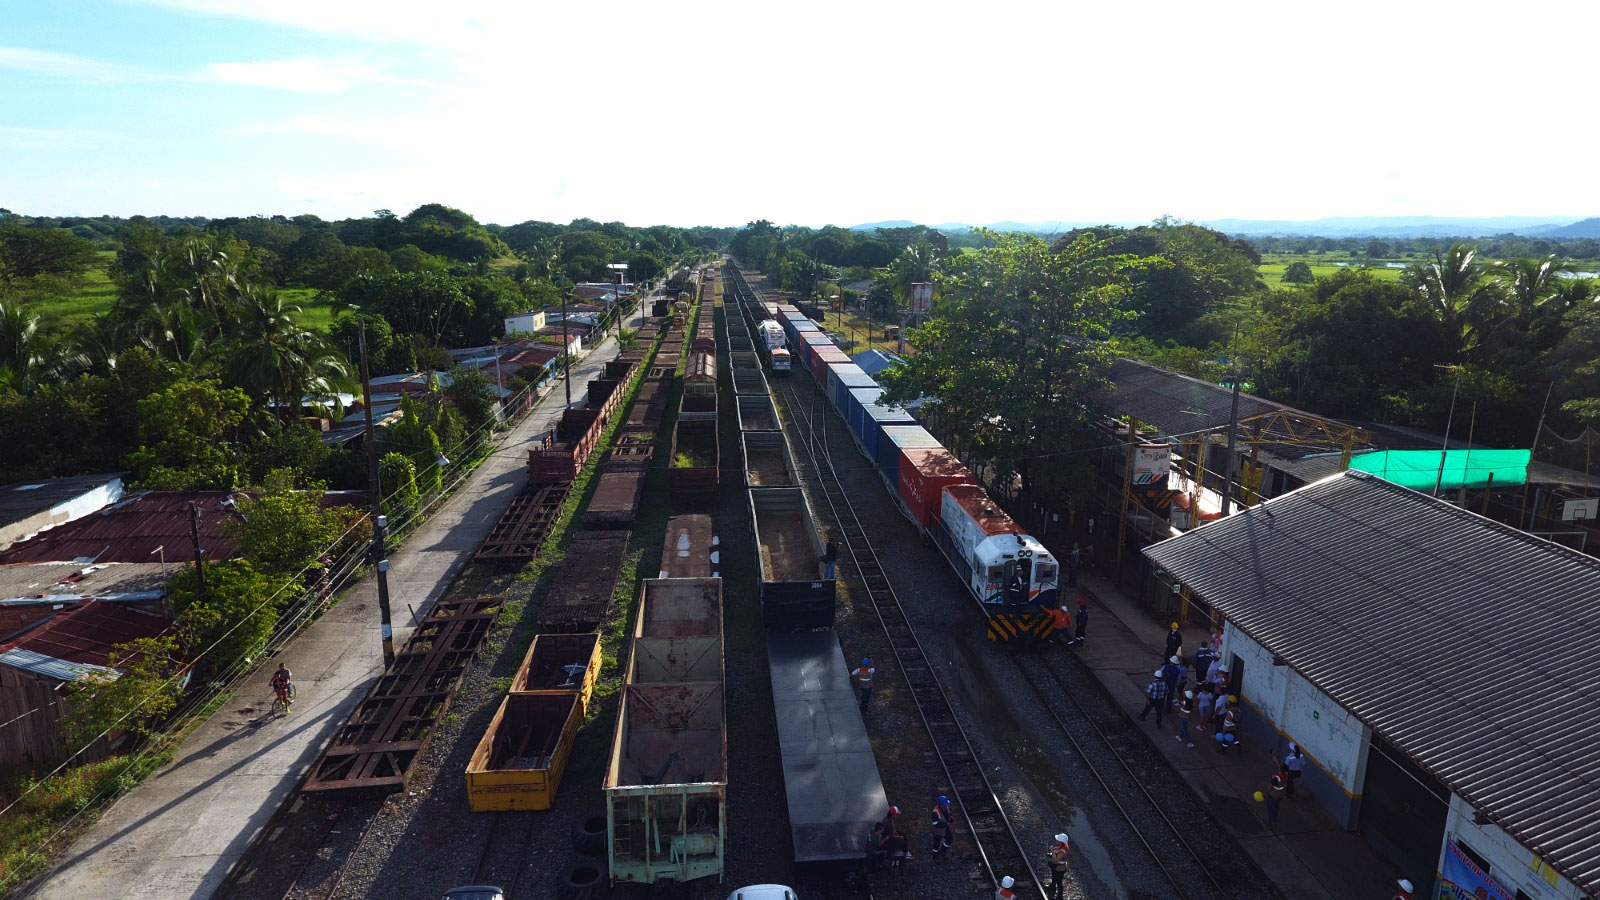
<point x="1009" y="572"/>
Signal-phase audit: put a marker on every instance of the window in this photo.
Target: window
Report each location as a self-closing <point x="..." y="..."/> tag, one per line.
<point x="1044" y="573"/>
<point x="1523" y="896"/>
<point x="1472" y="855"/>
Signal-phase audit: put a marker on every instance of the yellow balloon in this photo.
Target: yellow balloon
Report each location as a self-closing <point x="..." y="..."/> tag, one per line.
<point x="1260" y="797"/>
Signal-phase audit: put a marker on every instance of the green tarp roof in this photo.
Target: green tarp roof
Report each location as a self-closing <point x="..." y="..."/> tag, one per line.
<point x="1419" y="469"/>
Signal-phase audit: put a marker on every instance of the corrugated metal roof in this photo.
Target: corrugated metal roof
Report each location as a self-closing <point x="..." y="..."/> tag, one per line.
<point x="18" y="501"/>
<point x="130" y="531"/>
<point x="1472" y="647"/>
<point x="50" y="667"/>
<point x="85" y="635"/>
<point x="78" y="580"/>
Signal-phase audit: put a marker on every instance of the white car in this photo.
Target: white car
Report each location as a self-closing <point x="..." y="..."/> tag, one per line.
<point x="763" y="892"/>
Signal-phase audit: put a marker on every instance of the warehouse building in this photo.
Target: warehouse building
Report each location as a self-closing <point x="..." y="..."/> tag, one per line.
<point x="1440" y="670"/>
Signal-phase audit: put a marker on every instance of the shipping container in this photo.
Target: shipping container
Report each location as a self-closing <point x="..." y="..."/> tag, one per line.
<point x="768" y="461"/>
<point x="794" y="595"/>
<point x="666" y="782"/>
<point x="924" y="474"/>
<point x="823" y="356"/>
<point x="842" y="379"/>
<point x="893" y="439"/>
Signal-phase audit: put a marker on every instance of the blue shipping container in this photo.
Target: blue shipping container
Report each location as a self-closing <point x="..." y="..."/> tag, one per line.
<point x="895" y="438"/>
<point x="875" y="417"/>
<point x="842" y="378"/>
<point x="855" y="416"/>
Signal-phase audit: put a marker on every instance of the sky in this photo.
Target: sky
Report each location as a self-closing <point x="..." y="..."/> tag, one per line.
<point x="812" y="113"/>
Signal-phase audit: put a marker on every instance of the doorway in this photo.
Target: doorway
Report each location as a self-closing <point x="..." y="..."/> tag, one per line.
<point x="1403" y="812"/>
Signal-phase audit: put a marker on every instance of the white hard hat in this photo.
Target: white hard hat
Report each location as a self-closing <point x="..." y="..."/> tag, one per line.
<point x="1061" y="838"/>
<point x="1189" y="694"/>
<point x="1406" y="886"/>
<point x="1157" y="673"/>
<point x="1007" y="881"/>
<point x="1174" y="661"/>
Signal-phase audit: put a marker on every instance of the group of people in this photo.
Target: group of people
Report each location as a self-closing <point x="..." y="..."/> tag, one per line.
<point x="890" y="845"/>
<point x="1212" y="705"/>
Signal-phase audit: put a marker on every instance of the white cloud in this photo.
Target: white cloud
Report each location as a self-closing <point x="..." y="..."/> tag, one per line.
<point x="307" y="75"/>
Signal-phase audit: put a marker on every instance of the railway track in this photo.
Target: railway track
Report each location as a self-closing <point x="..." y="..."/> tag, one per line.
<point x="999" y="848"/>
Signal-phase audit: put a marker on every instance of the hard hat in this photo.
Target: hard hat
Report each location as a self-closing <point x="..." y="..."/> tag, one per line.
<point x="1189" y="694"/>
<point x="1061" y="838"/>
<point x="1174" y="661"/>
<point x="867" y="661"/>
<point x="1174" y="626"/>
<point x="1406" y="886"/>
<point x="1233" y="698"/>
<point x="1063" y="609"/>
<point x="943" y="800"/>
<point x="894" y="810"/>
<point x="1157" y="673"/>
<point x="1222" y="668"/>
<point x="1007" y="881"/>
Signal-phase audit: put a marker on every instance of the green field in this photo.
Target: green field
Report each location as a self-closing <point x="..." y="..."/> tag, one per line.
<point x="1273" y="265"/>
<point x="92" y="294"/>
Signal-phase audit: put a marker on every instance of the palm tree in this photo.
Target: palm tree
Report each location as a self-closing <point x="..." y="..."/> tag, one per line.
<point x="273" y="358"/>
<point x="1526" y="285"/>
<point x="1452" y="286"/>
<point x="25" y="359"/>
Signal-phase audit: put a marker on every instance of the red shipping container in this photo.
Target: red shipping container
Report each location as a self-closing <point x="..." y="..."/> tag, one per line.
<point x="820" y="359"/>
<point x="924" y="474"/>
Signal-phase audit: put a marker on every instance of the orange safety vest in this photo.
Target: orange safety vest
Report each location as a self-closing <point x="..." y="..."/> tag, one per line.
<point x="1060" y="619"/>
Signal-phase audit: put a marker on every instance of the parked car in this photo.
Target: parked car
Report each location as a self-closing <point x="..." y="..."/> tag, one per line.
<point x="764" y="892"/>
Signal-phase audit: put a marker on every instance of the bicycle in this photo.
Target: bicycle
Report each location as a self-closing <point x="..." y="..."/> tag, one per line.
<point x="283" y="701"/>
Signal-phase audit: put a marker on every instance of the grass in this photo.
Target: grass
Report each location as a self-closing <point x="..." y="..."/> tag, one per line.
<point x="1273" y="266"/>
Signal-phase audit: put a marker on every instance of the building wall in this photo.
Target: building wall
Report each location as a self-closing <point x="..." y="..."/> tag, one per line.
<point x="1511" y="865"/>
<point x="31" y="706"/>
<point x="1280" y="706"/>
<point x="526" y="323"/>
<point x="85" y="503"/>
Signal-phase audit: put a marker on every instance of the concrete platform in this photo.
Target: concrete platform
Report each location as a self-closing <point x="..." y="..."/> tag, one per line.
<point x="178" y="834"/>
<point x="1309" y="856"/>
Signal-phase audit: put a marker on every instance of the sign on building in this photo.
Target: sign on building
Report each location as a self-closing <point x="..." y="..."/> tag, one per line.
<point x="1151" y="465"/>
<point x="921" y="297"/>
<point x="1576" y="510"/>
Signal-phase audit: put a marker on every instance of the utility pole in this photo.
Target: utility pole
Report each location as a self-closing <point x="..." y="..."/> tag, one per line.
<point x="379" y="521"/>
<point x="1444" y="451"/>
<point x="1233" y="428"/>
<point x="199" y="551"/>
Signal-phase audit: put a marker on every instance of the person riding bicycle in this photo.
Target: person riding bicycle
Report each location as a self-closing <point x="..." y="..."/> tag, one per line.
<point x="281" y="684"/>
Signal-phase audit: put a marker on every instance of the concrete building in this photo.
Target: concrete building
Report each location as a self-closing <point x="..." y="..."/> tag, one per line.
<point x="525" y="323"/>
<point x="29" y="508"/>
<point x="1438" y="668"/>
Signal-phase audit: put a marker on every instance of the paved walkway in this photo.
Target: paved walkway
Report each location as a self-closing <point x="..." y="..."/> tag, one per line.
<point x="177" y="834"/>
<point x="1309" y="856"/>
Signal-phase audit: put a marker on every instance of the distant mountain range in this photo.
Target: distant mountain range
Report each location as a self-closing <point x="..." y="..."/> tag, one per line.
<point x="1568" y="227"/>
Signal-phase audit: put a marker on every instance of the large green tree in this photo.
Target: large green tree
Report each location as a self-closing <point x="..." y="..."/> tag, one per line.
<point x="282" y="529"/>
<point x="233" y="617"/>
<point x="27" y="252"/>
<point x="1015" y="347"/>
<point x="275" y="360"/>
<point x="185" y="433"/>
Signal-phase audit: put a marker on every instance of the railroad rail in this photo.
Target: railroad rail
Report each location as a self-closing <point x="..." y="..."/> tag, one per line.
<point x="998" y="847"/>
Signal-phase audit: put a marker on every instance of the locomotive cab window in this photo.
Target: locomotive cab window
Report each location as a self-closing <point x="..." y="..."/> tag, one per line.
<point x="1045" y="573"/>
<point x="997" y="574"/>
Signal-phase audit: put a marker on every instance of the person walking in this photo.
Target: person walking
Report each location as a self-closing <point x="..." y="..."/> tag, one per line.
<point x="1058" y="866"/>
<point x="941" y="825"/>
<point x="1201" y="662"/>
<point x="1185" y="710"/>
<point x="1295" y="765"/>
<point x="1004" y="891"/>
<point x="1228" y="730"/>
<point x="1074" y="559"/>
<point x="863" y="676"/>
<point x="1173" y="673"/>
<point x="1060" y="626"/>
<point x="830" y="560"/>
<point x="1083" y="622"/>
<point x="1216" y="641"/>
<point x="1155" y="697"/>
<point x="1274" y="794"/>
<point x="1405" y="889"/>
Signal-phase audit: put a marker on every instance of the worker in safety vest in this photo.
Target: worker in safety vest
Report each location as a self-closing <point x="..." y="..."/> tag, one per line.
<point x="1004" y="891"/>
<point x="1061" y="626"/>
<point x="1058" y="866"/>
<point x="1404" y="893"/>
<point x="863" y="676"/>
<point x="941" y="825"/>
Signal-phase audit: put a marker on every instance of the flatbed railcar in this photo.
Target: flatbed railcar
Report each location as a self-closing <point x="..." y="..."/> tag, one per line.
<point x="982" y="545"/>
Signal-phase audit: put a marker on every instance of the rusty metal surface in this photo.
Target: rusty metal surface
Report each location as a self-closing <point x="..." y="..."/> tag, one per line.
<point x="381" y="740"/>
<point x="581" y="594"/>
<point x="615" y="499"/>
<point x="515" y="539"/>
<point x="689" y="548"/>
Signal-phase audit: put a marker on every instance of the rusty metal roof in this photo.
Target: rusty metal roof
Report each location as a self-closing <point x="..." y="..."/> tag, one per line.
<point x="133" y="530"/>
<point x="82" y="637"/>
<point x="1470" y="646"/>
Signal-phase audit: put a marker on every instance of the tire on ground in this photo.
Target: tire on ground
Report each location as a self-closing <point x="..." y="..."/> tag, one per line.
<point x="589" y="837"/>
<point x="583" y="881"/>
